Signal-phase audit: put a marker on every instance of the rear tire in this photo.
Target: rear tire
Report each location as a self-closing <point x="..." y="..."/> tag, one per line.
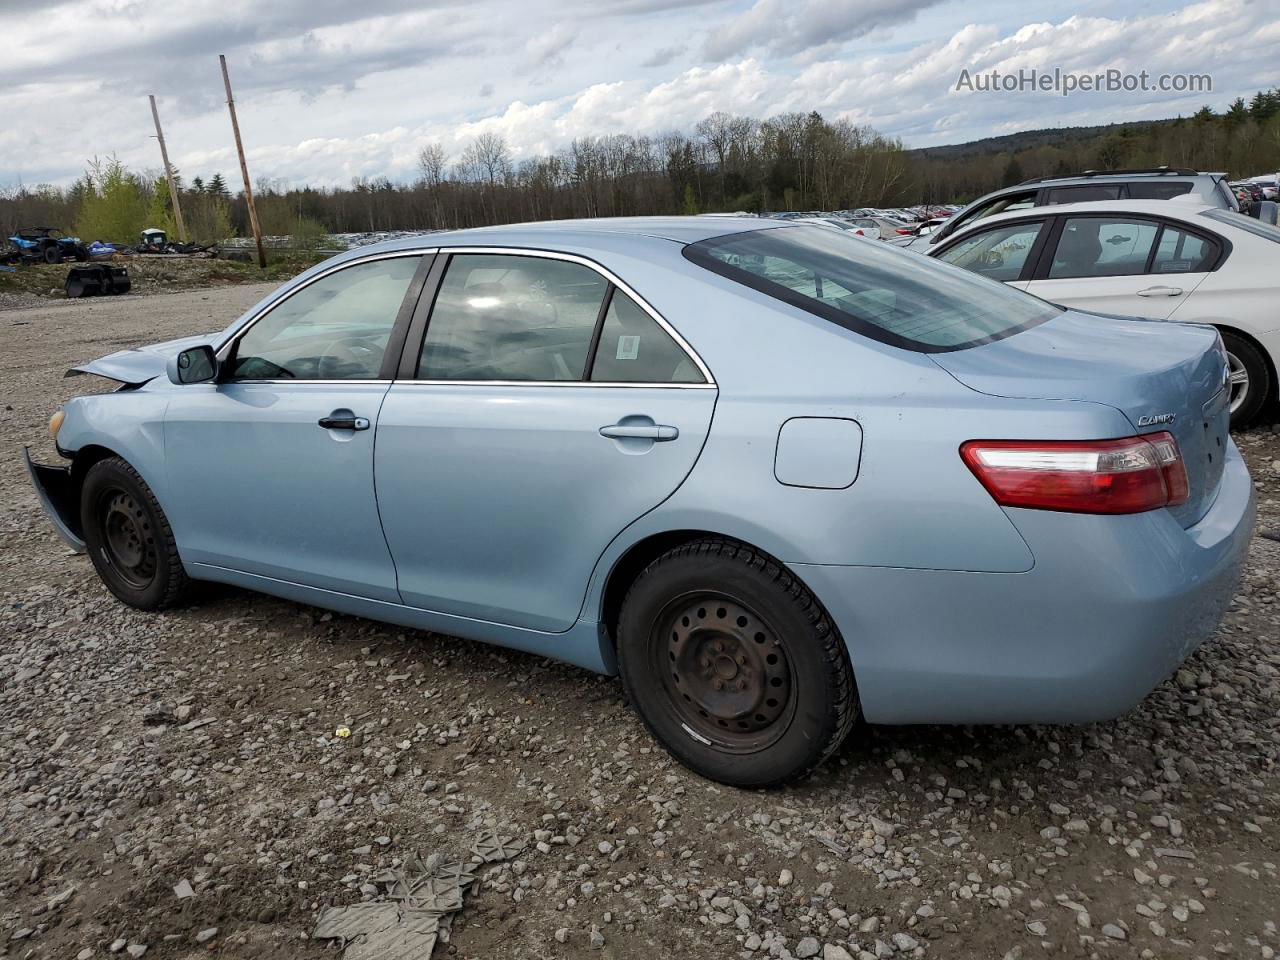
<point x="734" y="666"/>
<point x="52" y="254"/>
<point x="129" y="539"/>
<point x="1251" y="379"/>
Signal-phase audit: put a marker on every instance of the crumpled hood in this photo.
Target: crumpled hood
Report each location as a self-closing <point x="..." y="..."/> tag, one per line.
<point x="137" y="365"/>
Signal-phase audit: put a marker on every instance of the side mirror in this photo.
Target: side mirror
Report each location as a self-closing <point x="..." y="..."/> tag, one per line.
<point x="193" y="365"/>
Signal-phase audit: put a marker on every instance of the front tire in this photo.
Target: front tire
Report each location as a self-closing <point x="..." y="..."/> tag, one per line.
<point x="129" y="539"/>
<point x="1250" y="379"/>
<point x="734" y="666"/>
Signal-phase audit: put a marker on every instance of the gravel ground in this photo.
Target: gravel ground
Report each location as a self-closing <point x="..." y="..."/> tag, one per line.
<point x="196" y="750"/>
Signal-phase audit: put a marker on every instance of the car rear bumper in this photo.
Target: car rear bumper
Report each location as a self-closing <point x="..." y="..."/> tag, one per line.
<point x="1111" y="607"/>
<point x="57" y="495"/>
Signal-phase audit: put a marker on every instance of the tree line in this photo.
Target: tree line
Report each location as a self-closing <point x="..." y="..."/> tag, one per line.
<point x="794" y="161"/>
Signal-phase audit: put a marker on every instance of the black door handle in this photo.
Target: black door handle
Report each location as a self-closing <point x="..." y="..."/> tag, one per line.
<point x="344" y="423"/>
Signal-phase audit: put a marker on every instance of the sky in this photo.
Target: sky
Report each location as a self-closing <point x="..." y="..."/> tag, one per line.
<point x="332" y="90"/>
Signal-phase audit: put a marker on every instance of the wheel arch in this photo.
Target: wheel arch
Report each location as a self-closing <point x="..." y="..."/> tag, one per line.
<point x="1260" y="347"/>
<point x="632" y="562"/>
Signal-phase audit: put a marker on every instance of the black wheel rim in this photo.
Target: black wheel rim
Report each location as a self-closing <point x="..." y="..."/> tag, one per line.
<point x="725" y="672"/>
<point x="128" y="543"/>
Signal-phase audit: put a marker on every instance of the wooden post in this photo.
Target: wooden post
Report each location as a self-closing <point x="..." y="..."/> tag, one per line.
<point x="168" y="175"/>
<point x="244" y="167"/>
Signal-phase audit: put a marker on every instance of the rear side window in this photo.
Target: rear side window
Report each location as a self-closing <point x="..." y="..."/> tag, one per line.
<point x="634" y="349"/>
<point x="1102" y="247"/>
<point x="1158" y="189"/>
<point x="886" y="294"/>
<point x="500" y="317"/>
<point x="1182" y="252"/>
<point x="1083" y="194"/>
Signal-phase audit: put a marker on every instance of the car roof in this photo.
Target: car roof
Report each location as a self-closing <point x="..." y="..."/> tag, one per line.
<point x="1177" y="209"/>
<point x="569" y="234"/>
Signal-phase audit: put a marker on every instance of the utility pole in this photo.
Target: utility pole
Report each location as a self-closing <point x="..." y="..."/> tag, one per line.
<point x="244" y="167"/>
<point x="168" y="174"/>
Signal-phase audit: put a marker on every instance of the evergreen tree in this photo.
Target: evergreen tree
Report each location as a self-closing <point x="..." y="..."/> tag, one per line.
<point x="197" y="185"/>
<point x="218" y="187"/>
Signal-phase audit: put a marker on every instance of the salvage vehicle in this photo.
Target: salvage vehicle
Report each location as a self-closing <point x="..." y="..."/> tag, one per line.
<point x="776" y="476"/>
<point x="1176" y="260"/>
<point x="48" y="244"/>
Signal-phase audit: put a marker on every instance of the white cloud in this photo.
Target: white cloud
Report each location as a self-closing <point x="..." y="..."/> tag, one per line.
<point x="359" y="96"/>
<point x="547" y="49"/>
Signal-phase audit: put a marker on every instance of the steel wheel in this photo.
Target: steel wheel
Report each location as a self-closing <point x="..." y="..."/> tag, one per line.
<point x="128" y="543"/>
<point x="726" y="672"/>
<point x="1238" y="378"/>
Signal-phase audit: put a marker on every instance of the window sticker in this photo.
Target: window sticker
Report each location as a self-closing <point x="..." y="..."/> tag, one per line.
<point x="628" y="348"/>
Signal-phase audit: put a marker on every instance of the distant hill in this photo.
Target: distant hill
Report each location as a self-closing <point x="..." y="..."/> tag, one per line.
<point x="1028" y="139"/>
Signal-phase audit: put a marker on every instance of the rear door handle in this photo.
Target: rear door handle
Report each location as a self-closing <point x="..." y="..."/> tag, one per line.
<point x="344" y="423"/>
<point x="1161" y="292"/>
<point x="640" y="431"/>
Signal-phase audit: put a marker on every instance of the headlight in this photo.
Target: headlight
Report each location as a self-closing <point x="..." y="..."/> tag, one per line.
<point x="55" y="424"/>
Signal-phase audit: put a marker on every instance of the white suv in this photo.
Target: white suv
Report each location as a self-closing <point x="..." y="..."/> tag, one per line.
<point x="1166" y="260"/>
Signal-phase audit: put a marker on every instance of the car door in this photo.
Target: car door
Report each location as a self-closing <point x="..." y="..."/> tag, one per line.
<point x="1004" y="252"/>
<point x="271" y="466"/>
<point x="1121" y="264"/>
<point x="546" y="409"/>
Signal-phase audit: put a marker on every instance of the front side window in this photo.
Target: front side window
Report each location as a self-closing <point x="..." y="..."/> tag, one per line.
<point x="504" y="317"/>
<point x="335" y="328"/>
<point x="633" y="348"/>
<point x="873" y="289"/>
<point x="999" y="253"/>
<point x="1102" y="247"/>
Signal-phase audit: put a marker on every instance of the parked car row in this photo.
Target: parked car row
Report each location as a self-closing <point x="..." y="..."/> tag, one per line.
<point x="776" y="475"/>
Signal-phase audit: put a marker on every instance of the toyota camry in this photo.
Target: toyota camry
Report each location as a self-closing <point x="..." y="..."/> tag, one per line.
<point x="777" y="477"/>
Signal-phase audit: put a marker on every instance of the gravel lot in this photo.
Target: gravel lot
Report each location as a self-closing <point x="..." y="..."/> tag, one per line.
<point x="146" y="752"/>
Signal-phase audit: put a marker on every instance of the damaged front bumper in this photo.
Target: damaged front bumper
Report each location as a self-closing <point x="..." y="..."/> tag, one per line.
<point x="58" y="498"/>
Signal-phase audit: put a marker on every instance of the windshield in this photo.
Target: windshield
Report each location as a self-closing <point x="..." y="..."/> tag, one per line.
<point x="876" y="290"/>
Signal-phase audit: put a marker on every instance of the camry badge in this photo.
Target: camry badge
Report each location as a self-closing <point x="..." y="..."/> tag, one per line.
<point x="1151" y="419"/>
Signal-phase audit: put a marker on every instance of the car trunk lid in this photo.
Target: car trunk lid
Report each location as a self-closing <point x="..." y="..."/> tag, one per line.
<point x="1161" y="376"/>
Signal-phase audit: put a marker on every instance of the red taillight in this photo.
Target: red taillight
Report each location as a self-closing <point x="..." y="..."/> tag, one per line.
<point x="903" y="229"/>
<point x="1088" y="476"/>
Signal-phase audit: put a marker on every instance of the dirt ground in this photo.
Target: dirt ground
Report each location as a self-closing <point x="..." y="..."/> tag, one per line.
<point x="139" y="753"/>
<point x="33" y="285"/>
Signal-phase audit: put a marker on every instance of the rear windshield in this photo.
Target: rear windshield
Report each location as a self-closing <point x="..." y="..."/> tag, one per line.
<point x="1246" y="223"/>
<point x="891" y="295"/>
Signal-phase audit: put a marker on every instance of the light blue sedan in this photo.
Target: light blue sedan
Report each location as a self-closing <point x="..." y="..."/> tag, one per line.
<point x="777" y="477"/>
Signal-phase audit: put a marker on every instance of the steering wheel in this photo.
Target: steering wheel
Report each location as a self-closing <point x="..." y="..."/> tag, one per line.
<point x="354" y="350"/>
